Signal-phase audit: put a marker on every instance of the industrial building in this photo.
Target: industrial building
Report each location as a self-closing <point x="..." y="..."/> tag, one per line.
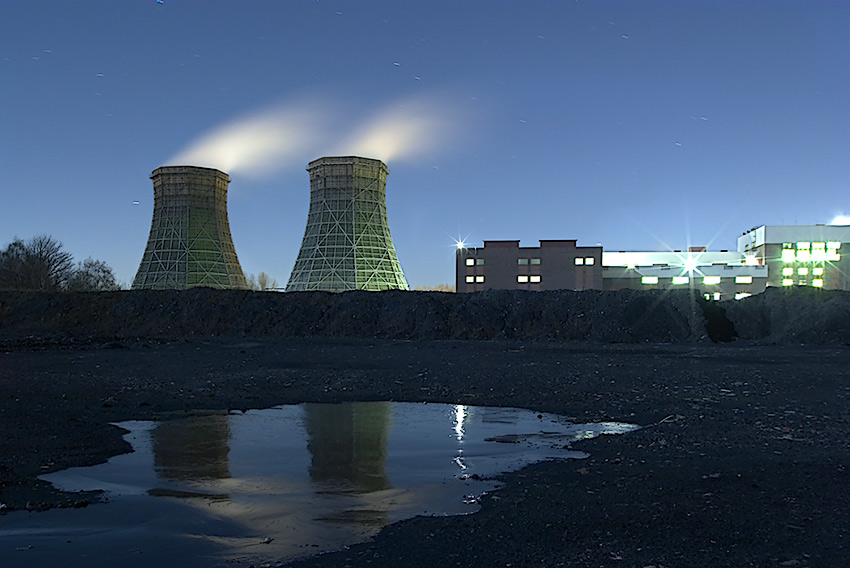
<point x="504" y="265"/>
<point x="347" y="243"/>
<point x="189" y="243"/>
<point x="767" y="256"/>
<point x="716" y="275"/>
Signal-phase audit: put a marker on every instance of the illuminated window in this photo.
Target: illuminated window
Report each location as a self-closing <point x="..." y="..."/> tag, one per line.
<point x="522" y="279"/>
<point x="470" y="279"/>
<point x="522" y="261"/>
<point x="817" y="282"/>
<point x="535" y="261"/>
<point x="479" y="261"/>
<point x="788" y="255"/>
<point x="743" y="280"/>
<point x="742" y="295"/>
<point x="479" y="279"/>
<point x="589" y="260"/>
<point x="833" y="245"/>
<point x="818" y="255"/>
<point x="711" y="280"/>
<point x="818" y="246"/>
<point x="707" y="296"/>
<point x="817" y="271"/>
<point x="648" y="279"/>
<point x="833" y="255"/>
<point x="787" y="271"/>
<point x="579" y="261"/>
<point x="803" y="255"/>
<point x="717" y="296"/>
<point x="751" y="260"/>
<point x="681" y="280"/>
<point x="470" y="261"/>
<point x="804" y="246"/>
<point x="787" y="282"/>
<point x="803" y="271"/>
<point x="534" y="279"/>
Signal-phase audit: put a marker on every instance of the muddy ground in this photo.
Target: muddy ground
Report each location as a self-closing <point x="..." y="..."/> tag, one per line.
<point x="743" y="461"/>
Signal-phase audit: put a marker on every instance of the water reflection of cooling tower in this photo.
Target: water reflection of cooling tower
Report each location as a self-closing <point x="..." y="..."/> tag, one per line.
<point x="196" y="448"/>
<point x="347" y="243"/>
<point x="348" y="445"/>
<point x="189" y="243"/>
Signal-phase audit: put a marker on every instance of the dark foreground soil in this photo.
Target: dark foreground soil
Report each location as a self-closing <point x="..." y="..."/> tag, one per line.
<point x="744" y="461"/>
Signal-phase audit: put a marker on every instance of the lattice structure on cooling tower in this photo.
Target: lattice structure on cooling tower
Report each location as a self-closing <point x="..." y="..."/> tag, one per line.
<point x="190" y="243"/>
<point x="347" y="243"/>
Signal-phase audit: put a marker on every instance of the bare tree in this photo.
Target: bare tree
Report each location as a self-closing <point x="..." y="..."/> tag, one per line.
<point x="437" y="288"/>
<point x="37" y="264"/>
<point x="12" y="261"/>
<point x="92" y="276"/>
<point x="266" y="282"/>
<point x="261" y="282"/>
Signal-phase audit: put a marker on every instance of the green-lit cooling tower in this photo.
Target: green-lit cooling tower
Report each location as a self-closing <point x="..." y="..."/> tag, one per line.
<point x="190" y="243"/>
<point x="347" y="243"/>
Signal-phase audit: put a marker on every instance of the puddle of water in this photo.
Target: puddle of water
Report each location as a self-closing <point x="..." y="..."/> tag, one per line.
<point x="281" y="483"/>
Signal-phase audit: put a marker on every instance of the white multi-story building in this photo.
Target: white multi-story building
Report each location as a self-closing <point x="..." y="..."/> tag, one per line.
<point x="801" y="255"/>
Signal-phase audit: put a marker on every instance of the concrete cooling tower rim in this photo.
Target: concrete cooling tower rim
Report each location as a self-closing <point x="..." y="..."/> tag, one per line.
<point x="168" y="170"/>
<point x="345" y="160"/>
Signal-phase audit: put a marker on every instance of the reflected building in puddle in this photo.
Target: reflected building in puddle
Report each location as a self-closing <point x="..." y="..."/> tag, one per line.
<point x="348" y="445"/>
<point x="192" y="449"/>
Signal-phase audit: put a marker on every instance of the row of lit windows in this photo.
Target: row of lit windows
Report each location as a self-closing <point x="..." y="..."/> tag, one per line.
<point x="811" y="252"/>
<point x="708" y="280"/>
<point x="524" y="278"/>
<point x="579" y="261"/>
<point x="803" y="271"/>
<point x="474" y="279"/>
<point x="817" y="282"/>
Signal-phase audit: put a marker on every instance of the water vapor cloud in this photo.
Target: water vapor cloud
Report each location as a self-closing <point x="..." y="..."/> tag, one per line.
<point x="402" y="131"/>
<point x="290" y="135"/>
<point x="257" y="144"/>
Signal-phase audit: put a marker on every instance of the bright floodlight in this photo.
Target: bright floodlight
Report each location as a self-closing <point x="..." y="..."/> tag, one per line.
<point x="690" y="264"/>
<point x="460" y="245"/>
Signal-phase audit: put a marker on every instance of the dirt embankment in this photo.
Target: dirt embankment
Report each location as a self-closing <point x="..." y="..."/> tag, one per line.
<point x="627" y="316"/>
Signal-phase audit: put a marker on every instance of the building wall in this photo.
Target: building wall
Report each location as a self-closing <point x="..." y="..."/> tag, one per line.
<point x="504" y="265"/>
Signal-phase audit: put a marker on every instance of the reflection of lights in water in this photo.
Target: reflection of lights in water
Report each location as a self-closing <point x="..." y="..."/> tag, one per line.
<point x="459" y="460"/>
<point x="460" y="415"/>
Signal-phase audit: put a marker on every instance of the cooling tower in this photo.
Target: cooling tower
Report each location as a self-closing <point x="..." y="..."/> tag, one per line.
<point x="347" y="243"/>
<point x="190" y="243"/>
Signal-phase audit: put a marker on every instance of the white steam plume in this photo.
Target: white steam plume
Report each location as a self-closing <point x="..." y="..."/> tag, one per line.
<point x="258" y="144"/>
<point x="402" y="131"/>
<point x="294" y="134"/>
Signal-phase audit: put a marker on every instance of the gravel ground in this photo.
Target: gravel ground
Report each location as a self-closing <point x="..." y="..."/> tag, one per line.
<point x="743" y="461"/>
